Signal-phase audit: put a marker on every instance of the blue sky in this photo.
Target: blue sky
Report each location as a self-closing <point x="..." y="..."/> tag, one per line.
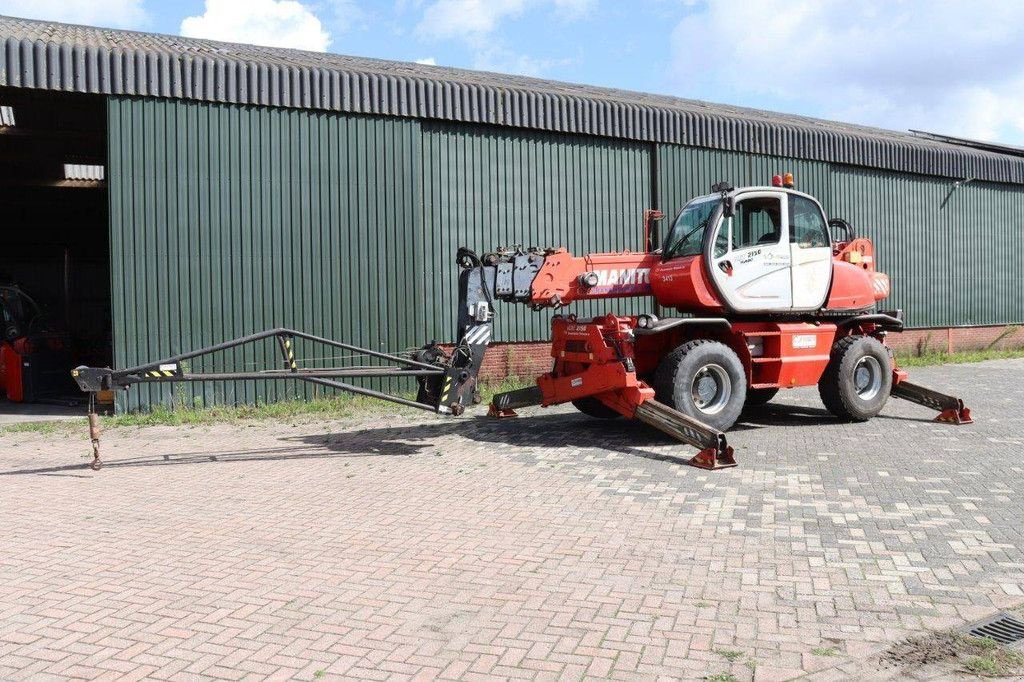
<point x="939" y="66"/>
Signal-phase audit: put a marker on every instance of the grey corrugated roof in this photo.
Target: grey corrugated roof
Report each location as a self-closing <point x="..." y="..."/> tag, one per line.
<point x="95" y="60"/>
<point x="1010" y="149"/>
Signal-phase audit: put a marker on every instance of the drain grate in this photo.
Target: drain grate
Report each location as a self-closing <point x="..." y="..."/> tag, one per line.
<point x="1002" y="627"/>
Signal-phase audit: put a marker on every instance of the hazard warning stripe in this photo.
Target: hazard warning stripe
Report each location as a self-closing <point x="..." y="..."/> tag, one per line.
<point x="291" y="354"/>
<point x="481" y="334"/>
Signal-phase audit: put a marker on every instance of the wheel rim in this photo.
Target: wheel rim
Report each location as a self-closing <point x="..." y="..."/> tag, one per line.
<point x="711" y="389"/>
<point x="867" y="377"/>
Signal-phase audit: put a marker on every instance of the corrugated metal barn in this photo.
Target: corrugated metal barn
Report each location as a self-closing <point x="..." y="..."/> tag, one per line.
<point x="247" y="187"/>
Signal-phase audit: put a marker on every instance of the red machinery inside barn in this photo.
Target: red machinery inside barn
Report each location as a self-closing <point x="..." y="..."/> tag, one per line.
<point x="34" y="354"/>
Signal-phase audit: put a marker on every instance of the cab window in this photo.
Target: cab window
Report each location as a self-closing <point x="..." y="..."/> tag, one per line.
<point x="757" y="222"/>
<point x="807" y="227"/>
<point x="722" y="240"/>
<point x="686" y="238"/>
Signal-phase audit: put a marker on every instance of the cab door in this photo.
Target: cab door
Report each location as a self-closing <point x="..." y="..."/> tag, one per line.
<point x="751" y="254"/>
<point x="811" y="250"/>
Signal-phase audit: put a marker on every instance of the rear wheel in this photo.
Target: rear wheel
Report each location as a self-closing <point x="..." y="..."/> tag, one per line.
<point x="592" y="407"/>
<point x="705" y="380"/>
<point x="858" y="379"/>
<point x="760" y="396"/>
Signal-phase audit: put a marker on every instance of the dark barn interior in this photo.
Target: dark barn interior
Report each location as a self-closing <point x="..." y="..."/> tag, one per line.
<point x="55" y="239"/>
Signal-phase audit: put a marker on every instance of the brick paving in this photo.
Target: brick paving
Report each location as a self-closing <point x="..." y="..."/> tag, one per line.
<point x="552" y="546"/>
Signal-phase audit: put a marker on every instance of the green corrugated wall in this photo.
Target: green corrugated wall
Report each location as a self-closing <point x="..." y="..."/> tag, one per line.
<point x="229" y="219"/>
<point x="226" y="220"/>
<point x="687" y="172"/>
<point x="488" y="187"/>
<point x="948" y="250"/>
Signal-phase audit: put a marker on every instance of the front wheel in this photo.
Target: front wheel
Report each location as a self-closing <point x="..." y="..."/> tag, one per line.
<point x="705" y="380"/>
<point x="858" y="379"/>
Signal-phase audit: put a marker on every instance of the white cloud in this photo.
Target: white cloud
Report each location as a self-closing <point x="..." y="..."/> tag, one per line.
<point x="949" y="67"/>
<point x="428" y="61"/>
<point x="466" y="18"/>
<point x="575" y="8"/>
<point x="501" y="60"/>
<point x="274" y="23"/>
<point x="344" y="15"/>
<point x="474" y="22"/>
<point x="475" y="19"/>
<point x="111" y="13"/>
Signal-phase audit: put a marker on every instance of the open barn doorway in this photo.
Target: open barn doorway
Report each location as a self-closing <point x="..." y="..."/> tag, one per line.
<point x="54" y="245"/>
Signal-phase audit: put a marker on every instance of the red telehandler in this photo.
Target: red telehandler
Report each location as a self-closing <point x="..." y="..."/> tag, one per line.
<point x="769" y="293"/>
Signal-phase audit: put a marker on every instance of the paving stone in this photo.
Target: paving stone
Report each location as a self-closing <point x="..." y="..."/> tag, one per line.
<point x="550" y="546"/>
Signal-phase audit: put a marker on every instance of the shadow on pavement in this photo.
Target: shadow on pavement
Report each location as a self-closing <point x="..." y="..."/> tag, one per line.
<point x="780" y="414"/>
<point x="554" y="430"/>
<point x="291" y="452"/>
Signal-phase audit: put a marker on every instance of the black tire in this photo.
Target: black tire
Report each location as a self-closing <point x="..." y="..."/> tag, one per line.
<point x="760" y="396"/>
<point x="857" y="380"/>
<point x="688" y="368"/>
<point x="592" y="407"/>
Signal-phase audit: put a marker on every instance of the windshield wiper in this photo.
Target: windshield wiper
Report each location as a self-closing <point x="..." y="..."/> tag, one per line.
<point x="703" y="224"/>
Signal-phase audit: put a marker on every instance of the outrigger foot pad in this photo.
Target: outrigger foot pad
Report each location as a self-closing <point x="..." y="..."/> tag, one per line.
<point x="500" y="413"/>
<point x="958" y="415"/>
<point x="714" y="458"/>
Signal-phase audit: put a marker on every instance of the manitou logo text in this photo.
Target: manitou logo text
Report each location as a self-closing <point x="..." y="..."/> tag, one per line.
<point x="627" y="277"/>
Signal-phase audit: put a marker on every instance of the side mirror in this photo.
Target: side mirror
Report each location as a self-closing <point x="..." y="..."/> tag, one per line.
<point x="724" y="188"/>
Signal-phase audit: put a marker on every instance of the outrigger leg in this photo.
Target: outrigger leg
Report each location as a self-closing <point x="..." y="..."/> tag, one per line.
<point x="950" y="408"/>
<point x="715" y="451"/>
<point x="504" y="405"/>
